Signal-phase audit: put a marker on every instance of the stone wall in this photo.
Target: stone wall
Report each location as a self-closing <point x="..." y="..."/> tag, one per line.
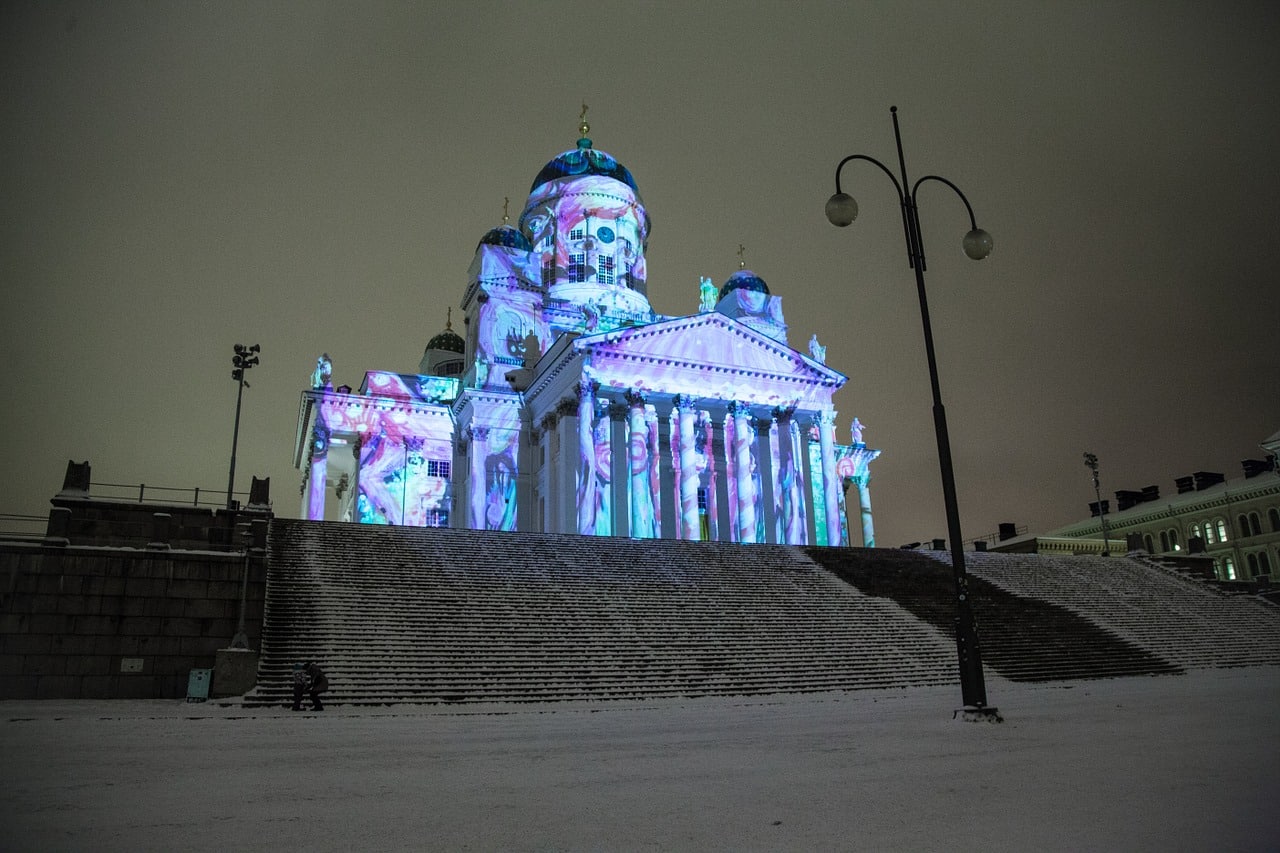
<point x="80" y="622"/>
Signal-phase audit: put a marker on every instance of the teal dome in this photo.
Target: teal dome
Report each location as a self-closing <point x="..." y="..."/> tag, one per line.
<point x="744" y="280"/>
<point x="505" y="235"/>
<point x="582" y="161"/>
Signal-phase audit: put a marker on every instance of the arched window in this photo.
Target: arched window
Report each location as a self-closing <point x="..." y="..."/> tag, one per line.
<point x="1252" y="560"/>
<point x="1210" y="535"/>
<point x="1164" y="541"/>
<point x="1255" y="525"/>
<point x="1243" y="523"/>
<point x="1193" y="532"/>
<point x="1148" y="544"/>
<point x="1173" y="539"/>
<point x="1221" y="524"/>
<point x="1273" y="515"/>
<point x="1264" y="563"/>
<point x="1228" y="568"/>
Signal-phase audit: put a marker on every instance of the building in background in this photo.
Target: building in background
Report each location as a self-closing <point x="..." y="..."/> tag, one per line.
<point x="569" y="405"/>
<point x="1233" y="522"/>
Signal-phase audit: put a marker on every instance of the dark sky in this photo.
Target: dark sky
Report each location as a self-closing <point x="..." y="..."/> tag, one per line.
<point x="177" y="178"/>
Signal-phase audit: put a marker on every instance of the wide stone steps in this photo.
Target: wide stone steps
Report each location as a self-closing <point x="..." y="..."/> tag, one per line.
<point x="448" y="616"/>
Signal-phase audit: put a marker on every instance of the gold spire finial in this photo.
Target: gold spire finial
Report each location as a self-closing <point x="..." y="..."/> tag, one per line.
<point x="583" y="127"/>
<point x="506" y="200"/>
<point x="742" y="263"/>
<point x="448" y="323"/>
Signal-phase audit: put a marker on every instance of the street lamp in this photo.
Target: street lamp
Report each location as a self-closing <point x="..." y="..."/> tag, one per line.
<point x="245" y="358"/>
<point x="1091" y="462"/>
<point x="841" y="211"/>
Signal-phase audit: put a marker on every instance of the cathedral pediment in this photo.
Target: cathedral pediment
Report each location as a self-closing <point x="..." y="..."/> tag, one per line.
<point x="707" y="355"/>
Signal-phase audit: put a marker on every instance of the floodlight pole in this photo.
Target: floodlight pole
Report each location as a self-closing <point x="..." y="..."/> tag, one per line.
<point x="244" y="358"/>
<point x="1091" y="462"/>
<point x="841" y="211"/>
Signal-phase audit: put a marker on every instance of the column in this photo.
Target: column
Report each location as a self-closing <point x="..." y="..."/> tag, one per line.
<point x="706" y="429"/>
<point x="590" y="501"/>
<point x="743" y="434"/>
<point x="685" y="418"/>
<point x="655" y="468"/>
<point x="642" y="514"/>
<point x="830" y="485"/>
<point x="861" y="457"/>
<point x="477" y="450"/>
<point x="319" y="472"/>
<point x="618" y="469"/>
<point x="764" y="465"/>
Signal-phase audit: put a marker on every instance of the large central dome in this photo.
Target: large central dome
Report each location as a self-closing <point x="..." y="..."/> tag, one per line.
<point x="581" y="161"/>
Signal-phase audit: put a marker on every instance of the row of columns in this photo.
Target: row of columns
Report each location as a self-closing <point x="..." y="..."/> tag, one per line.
<point x="760" y="458"/>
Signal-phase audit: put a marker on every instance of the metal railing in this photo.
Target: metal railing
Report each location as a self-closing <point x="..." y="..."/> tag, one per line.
<point x="138" y="492"/>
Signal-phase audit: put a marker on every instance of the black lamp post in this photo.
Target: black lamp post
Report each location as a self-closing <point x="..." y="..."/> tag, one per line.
<point x="841" y="211"/>
<point x="245" y="358"/>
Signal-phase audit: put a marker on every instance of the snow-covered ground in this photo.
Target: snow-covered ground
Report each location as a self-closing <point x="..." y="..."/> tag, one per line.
<point x="1169" y="763"/>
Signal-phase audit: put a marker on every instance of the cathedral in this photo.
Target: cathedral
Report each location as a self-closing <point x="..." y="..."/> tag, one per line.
<point x="569" y="405"/>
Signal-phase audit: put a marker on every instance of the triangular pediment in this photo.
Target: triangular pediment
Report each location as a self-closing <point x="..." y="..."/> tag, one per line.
<point x="706" y="355"/>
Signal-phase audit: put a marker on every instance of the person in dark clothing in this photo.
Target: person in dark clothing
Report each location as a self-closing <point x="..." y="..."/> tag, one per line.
<point x="318" y="683"/>
<point x="300" y="684"/>
<point x="308" y="679"/>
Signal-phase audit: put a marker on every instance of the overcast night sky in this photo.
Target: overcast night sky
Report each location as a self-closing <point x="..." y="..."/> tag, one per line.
<point x="313" y="177"/>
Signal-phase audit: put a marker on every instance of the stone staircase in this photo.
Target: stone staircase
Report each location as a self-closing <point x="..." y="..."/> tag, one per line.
<point x="1164" y="610"/>
<point x="1022" y="637"/>
<point x="412" y="615"/>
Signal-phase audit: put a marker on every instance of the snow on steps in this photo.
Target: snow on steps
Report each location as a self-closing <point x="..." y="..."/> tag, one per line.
<point x="404" y="615"/>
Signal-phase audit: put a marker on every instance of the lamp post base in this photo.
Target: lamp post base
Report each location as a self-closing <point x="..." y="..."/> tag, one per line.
<point x="978" y="715"/>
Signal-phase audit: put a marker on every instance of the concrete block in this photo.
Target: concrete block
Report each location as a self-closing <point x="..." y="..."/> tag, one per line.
<point x="76" y="644"/>
<point x="180" y="588"/>
<point x="137" y="687"/>
<point x="235" y="672"/>
<point x="97" y="687"/>
<point x="50" y="623"/>
<point x="28" y="644"/>
<point x="58" y="687"/>
<point x="145" y="587"/>
<point x="140" y="626"/>
<point x="18" y="686"/>
<point x="44" y="665"/>
<point x="11" y="664"/>
<point x="182" y="627"/>
<point x="13" y="623"/>
<point x="210" y="609"/>
<point x="88" y="665"/>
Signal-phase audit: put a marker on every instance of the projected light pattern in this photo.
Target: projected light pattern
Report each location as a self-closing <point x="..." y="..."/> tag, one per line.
<point x="404" y="441"/>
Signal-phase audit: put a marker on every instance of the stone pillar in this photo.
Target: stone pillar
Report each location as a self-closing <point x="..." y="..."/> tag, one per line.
<point x="589" y="502"/>
<point x="319" y="473"/>
<point x="686" y="418"/>
<point x="642" y="516"/>
<point x="790" y="522"/>
<point x="477" y="449"/>
<point x="764" y="463"/>
<point x="860" y="457"/>
<point x="707" y="428"/>
<point x="743" y="434"/>
<point x="619" y="469"/>
<point x="655" y="468"/>
<point x="830" y="482"/>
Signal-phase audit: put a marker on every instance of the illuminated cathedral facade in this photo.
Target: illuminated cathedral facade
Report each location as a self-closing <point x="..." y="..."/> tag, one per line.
<point x="569" y="405"/>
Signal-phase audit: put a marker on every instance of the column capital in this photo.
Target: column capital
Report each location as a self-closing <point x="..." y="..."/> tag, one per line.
<point x="683" y="402"/>
<point x="738" y="409"/>
<point x="636" y="398"/>
<point x="784" y="413"/>
<point x="587" y="388"/>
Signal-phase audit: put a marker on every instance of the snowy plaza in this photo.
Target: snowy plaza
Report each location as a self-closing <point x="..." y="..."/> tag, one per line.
<point x="1185" y="762"/>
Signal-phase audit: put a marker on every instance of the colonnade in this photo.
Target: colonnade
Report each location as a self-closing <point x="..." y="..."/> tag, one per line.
<point x="741" y="478"/>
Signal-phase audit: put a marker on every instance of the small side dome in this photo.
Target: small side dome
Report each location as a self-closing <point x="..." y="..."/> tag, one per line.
<point x="744" y="280"/>
<point x="506" y="236"/>
<point x="448" y="340"/>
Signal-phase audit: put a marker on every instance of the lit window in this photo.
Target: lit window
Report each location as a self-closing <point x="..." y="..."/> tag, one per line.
<point x="1221" y="524"/>
<point x="577" y="234"/>
<point x="604" y="269"/>
<point x="439" y="468"/>
<point x="577" y="267"/>
<point x="1194" y="533"/>
<point x="549" y="270"/>
<point x="1210" y="536"/>
<point x="1229" y="568"/>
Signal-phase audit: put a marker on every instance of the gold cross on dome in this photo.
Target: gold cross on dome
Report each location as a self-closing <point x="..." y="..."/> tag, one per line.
<point x="742" y="250"/>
